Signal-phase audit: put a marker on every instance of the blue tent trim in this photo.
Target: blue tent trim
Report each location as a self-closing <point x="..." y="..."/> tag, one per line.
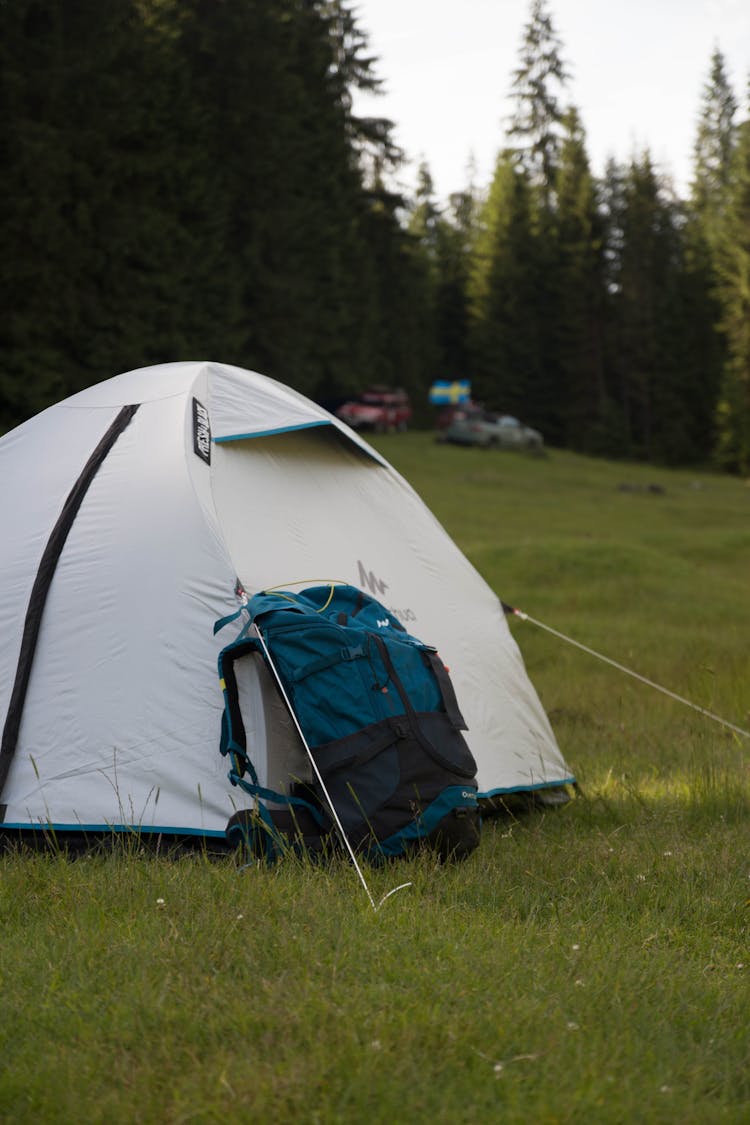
<point x="527" y="788"/>
<point x="271" y="433"/>
<point x="131" y="829"/>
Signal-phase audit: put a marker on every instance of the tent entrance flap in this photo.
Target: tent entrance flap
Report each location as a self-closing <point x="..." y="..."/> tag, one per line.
<point x="272" y="742"/>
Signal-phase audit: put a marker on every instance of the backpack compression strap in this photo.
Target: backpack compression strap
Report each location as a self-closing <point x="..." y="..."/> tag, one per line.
<point x="450" y="702"/>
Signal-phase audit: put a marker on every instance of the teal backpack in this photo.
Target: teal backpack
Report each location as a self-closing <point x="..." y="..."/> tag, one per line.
<point x="380" y="719"/>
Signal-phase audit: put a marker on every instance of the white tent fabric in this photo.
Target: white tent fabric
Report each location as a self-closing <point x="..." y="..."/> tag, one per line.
<point x="118" y="725"/>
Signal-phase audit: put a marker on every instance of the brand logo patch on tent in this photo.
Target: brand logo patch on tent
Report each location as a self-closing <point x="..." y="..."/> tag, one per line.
<point x="367" y="579"/>
<point x="201" y="431"/>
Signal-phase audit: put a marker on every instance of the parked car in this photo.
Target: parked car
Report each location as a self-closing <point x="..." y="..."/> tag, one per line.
<point x="480" y="427"/>
<point x="378" y="408"/>
<point x="446" y="414"/>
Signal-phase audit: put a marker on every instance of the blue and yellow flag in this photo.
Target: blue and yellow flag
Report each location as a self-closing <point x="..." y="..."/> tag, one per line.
<point x="445" y="393"/>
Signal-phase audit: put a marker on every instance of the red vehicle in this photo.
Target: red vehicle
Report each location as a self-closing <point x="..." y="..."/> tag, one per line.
<point x="381" y="409"/>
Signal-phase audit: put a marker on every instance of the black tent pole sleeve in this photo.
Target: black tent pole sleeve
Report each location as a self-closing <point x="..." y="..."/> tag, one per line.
<point x="40" y="589"/>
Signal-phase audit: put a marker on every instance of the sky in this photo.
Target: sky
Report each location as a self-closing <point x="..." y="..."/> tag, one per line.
<point x="637" y="67"/>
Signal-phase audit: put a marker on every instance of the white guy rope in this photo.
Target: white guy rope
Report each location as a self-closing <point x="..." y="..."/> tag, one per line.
<point x="322" y="784"/>
<point x="628" y="671"/>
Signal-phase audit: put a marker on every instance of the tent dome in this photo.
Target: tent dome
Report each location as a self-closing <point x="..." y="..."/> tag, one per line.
<point x="133" y="513"/>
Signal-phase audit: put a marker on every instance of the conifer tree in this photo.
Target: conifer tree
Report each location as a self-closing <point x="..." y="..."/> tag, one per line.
<point x="580" y="294"/>
<point x="505" y="351"/>
<point x="612" y="212"/>
<point x="353" y="68"/>
<point x="456" y="231"/>
<point x="291" y="189"/>
<point x="94" y="244"/>
<point x="656" y="384"/>
<point x="424" y="218"/>
<point x="185" y="177"/>
<point x="536" y="124"/>
<point x="733" y="267"/>
<point x="534" y="134"/>
<point x="402" y="349"/>
<point x="706" y="209"/>
<point x="714" y="145"/>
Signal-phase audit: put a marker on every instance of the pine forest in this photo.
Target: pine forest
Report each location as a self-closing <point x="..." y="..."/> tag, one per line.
<point x="189" y="179"/>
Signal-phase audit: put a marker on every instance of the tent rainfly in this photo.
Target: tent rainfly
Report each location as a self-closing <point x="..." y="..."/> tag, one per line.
<point x="133" y="515"/>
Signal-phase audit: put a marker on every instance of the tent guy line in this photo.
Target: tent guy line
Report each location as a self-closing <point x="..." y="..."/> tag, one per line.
<point x="511" y="611"/>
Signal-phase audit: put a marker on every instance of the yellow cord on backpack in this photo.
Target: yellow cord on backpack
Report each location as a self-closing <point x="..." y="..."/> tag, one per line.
<point x="332" y="582"/>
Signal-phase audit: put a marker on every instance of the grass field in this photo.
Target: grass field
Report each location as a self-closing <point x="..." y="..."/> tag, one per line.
<point x="590" y="964"/>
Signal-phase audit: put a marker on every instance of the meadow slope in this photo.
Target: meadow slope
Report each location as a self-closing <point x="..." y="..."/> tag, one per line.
<point x="587" y="964"/>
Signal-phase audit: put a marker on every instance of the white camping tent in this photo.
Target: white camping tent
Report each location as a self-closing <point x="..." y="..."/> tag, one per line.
<point x="128" y="512"/>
